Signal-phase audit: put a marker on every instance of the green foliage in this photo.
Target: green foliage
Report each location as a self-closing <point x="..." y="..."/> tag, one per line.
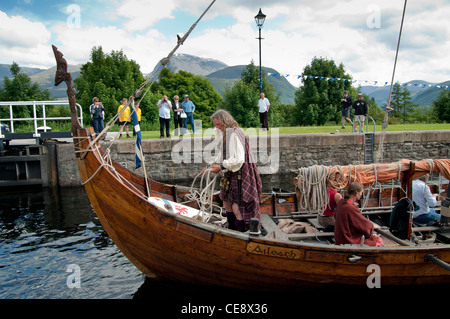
<point x="20" y="88"/>
<point x="111" y="77"/>
<point x="287" y="115"/>
<point x="402" y="104"/>
<point x="200" y="91"/>
<point x="241" y="100"/>
<point x="374" y="110"/>
<point x="442" y="106"/>
<point x="318" y="100"/>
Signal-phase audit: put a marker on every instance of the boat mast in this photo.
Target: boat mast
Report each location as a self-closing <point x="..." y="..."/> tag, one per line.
<point x="388" y="106"/>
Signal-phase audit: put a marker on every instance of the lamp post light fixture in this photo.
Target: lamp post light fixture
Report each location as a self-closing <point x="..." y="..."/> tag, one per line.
<point x="260" y="18"/>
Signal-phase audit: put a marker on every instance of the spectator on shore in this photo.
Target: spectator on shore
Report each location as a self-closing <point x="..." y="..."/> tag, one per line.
<point x="164" y="106"/>
<point x="189" y="108"/>
<point x="346" y="104"/>
<point x="124" y="118"/>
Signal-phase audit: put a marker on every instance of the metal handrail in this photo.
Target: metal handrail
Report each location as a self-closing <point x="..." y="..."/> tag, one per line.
<point x="44" y="118"/>
<point x="367" y="123"/>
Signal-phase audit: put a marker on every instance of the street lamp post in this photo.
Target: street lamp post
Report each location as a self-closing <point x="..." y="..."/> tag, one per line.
<point x="260" y="18"/>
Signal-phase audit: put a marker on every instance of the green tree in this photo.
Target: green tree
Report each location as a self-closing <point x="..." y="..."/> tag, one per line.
<point x="200" y="91"/>
<point x="21" y="88"/>
<point x="374" y="110"/>
<point x="318" y="100"/>
<point x="111" y="77"/>
<point x="241" y="100"/>
<point x="402" y="103"/>
<point x="442" y="106"/>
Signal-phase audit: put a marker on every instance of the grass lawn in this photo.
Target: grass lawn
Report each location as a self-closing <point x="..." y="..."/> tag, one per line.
<point x="329" y="129"/>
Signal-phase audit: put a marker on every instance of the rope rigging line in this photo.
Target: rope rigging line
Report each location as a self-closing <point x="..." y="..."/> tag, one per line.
<point x="379" y="156"/>
<point x="204" y="196"/>
<point x="108" y="163"/>
<point x="151" y="78"/>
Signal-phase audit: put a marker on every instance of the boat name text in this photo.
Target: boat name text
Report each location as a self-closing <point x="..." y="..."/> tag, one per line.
<point x="273" y="251"/>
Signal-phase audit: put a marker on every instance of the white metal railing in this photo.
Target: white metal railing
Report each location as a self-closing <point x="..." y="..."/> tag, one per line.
<point x="35" y="118"/>
<point x="367" y="123"/>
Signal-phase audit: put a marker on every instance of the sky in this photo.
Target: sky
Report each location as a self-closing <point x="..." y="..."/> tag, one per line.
<point x="360" y="34"/>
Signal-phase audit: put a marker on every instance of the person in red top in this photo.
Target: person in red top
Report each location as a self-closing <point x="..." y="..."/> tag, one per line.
<point x="326" y="219"/>
<point x="350" y="224"/>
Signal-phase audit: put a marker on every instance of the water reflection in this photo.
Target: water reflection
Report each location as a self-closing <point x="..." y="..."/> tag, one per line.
<point x="42" y="233"/>
<point x="45" y="231"/>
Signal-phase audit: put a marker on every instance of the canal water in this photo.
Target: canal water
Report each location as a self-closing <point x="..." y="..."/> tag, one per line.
<point x="52" y="246"/>
<point x="47" y="238"/>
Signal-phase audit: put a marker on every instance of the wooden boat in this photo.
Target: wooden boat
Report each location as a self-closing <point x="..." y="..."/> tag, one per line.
<point x="165" y="244"/>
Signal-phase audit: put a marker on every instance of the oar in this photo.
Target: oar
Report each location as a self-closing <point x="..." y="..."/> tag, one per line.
<point x="437" y="261"/>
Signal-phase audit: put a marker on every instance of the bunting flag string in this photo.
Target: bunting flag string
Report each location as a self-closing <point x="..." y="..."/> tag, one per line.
<point x="361" y="82"/>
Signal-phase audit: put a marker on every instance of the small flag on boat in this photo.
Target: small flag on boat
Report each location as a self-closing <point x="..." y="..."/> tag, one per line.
<point x="138" y="152"/>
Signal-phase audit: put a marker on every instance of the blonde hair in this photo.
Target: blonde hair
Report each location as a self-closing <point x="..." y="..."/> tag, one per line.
<point x="225" y="118"/>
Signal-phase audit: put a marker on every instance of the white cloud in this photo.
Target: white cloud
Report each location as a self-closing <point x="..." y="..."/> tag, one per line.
<point x="22" y="40"/>
<point x="141" y="14"/>
<point x="295" y="31"/>
<point x="17" y="31"/>
<point x="76" y="44"/>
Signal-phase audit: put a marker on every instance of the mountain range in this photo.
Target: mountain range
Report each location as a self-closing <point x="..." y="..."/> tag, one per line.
<point x="420" y="95"/>
<point x="221" y="75"/>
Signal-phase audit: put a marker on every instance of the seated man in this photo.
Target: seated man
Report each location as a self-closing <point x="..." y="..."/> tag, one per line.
<point x="424" y="200"/>
<point x="350" y="225"/>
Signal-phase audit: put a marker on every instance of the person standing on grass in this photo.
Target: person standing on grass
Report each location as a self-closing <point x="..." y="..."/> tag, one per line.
<point x="346" y="104"/>
<point x="177" y="113"/>
<point x="264" y="106"/>
<point x="360" y="107"/>
<point x="98" y="115"/>
<point x="189" y="108"/>
<point x="124" y="118"/>
<point x="164" y="106"/>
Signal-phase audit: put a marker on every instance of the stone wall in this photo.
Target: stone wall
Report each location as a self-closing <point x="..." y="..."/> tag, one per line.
<point x="182" y="158"/>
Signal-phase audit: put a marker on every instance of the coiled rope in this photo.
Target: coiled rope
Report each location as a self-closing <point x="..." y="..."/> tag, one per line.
<point x="204" y="195"/>
<point x="312" y="184"/>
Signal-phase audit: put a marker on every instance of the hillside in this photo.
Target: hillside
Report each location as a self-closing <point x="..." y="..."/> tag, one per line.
<point x="194" y="64"/>
<point x="420" y="95"/>
<point x="4" y="71"/>
<point x="46" y="79"/>
<point x="221" y="75"/>
<point x="227" y="76"/>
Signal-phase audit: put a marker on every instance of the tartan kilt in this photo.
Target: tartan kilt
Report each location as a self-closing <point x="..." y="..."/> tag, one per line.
<point x="251" y="185"/>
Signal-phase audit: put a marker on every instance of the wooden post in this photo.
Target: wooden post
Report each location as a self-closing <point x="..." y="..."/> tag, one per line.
<point x="407" y="187"/>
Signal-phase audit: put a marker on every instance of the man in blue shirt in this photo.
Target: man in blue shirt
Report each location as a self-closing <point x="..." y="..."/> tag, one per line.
<point x="425" y="200"/>
<point x="189" y="109"/>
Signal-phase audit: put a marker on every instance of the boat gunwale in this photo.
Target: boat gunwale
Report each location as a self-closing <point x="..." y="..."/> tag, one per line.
<point x="265" y="240"/>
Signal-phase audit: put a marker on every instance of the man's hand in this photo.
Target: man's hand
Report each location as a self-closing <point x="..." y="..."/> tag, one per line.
<point x="214" y="169"/>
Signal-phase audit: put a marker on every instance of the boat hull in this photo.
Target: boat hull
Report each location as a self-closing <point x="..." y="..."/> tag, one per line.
<point x="174" y="247"/>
